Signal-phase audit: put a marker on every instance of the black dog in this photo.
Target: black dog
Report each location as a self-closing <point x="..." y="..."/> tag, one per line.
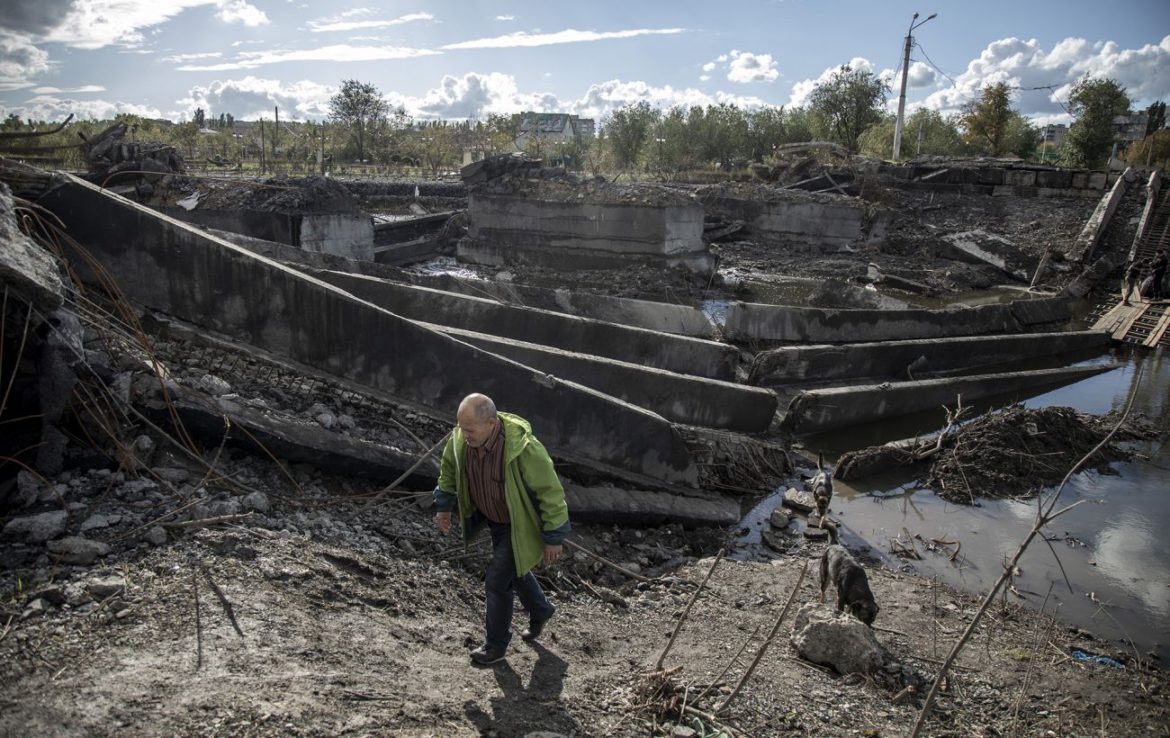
<point x="838" y="567"/>
<point x="821" y="485"/>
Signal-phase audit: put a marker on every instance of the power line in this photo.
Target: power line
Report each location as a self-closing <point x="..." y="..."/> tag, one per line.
<point x="1050" y="88"/>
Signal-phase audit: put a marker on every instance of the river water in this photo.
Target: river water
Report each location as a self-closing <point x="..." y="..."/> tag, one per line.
<point x="1114" y="547"/>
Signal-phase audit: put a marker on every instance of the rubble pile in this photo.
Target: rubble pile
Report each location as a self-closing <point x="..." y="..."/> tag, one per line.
<point x="146" y="165"/>
<point x="1019" y="451"/>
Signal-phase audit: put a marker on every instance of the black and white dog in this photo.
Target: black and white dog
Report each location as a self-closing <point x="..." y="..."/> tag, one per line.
<point x="821" y="485"/>
<point x="853" y="594"/>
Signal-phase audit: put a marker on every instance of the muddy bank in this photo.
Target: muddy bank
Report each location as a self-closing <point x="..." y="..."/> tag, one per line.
<point x="347" y="623"/>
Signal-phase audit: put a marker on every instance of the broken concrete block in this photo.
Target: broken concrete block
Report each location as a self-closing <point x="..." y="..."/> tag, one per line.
<point x="257" y="501"/>
<point x="326" y="420"/>
<point x="77" y="550"/>
<point x="103" y="587"/>
<point x="842" y="642"/>
<point x="816" y="534"/>
<point x="800" y="500"/>
<point x="780" y="518"/>
<point x="36" y="528"/>
<point x="774" y="541"/>
<point x="214" y="386"/>
<point x="35" y="609"/>
<point x="156" y="536"/>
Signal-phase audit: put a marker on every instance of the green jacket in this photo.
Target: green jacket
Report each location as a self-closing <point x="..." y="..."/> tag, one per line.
<point x="532" y="492"/>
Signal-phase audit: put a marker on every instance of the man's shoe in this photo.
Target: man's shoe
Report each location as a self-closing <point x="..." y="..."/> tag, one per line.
<point x="535" y="628"/>
<point x="487" y="654"/>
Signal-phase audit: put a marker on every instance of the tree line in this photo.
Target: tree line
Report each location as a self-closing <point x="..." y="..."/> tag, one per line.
<point x="848" y="108"/>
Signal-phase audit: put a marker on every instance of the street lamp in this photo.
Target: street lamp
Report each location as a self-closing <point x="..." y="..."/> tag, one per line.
<point x="902" y="95"/>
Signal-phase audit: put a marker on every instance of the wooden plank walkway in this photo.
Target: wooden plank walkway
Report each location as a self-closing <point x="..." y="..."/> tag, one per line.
<point x="1143" y="323"/>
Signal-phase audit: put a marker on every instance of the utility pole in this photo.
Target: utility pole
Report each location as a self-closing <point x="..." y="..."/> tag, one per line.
<point x="902" y="95"/>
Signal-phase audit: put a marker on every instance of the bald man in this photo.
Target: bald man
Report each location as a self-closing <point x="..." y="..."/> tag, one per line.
<point x="496" y="473"/>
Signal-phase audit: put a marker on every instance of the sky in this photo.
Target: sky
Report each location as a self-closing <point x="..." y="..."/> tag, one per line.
<point x="459" y="59"/>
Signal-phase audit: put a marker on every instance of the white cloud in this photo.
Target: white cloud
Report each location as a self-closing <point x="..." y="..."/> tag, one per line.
<point x="476" y="95"/>
<point x="20" y="61"/>
<point x="74" y="90"/>
<point x="748" y="67"/>
<point x="802" y="89"/>
<point x="240" y="11"/>
<point x="252" y="97"/>
<point x="182" y="58"/>
<point x="505" y="17"/>
<point x="920" y="75"/>
<point x="743" y="67"/>
<point x="48" y="107"/>
<point x="339" y="22"/>
<point x="1144" y="72"/>
<point x="568" y="36"/>
<point x="604" y="97"/>
<point x="335" y="53"/>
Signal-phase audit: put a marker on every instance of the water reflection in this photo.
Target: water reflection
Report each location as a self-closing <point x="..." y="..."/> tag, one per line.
<point x="1113" y="547"/>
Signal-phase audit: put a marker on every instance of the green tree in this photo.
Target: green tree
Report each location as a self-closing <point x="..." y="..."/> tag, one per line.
<point x="985" y="121"/>
<point x="926" y="132"/>
<point x="1155" y="117"/>
<point x="1023" y="137"/>
<point x="848" y="102"/>
<point x="199" y="118"/>
<point x="627" y="130"/>
<point x="358" y="105"/>
<point x="1152" y="150"/>
<point x="1093" y="103"/>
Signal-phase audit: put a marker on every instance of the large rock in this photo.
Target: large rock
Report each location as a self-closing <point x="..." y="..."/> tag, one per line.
<point x="77" y="550"/>
<point x="824" y="636"/>
<point x="800" y="500"/>
<point x="36" y="528"/>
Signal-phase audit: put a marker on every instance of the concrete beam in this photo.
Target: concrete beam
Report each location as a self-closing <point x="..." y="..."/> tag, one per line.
<point x="1090" y="236"/>
<point x="821" y="410"/>
<point x="890" y="359"/>
<point x="746" y="321"/>
<point x="679" y="354"/>
<point x="665" y="317"/>
<point x="177" y="269"/>
<point x="678" y="397"/>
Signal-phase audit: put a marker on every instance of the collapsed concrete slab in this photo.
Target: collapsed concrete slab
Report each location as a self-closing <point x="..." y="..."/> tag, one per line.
<point x="817" y="411"/>
<point x="1086" y="244"/>
<point x="594" y="225"/>
<point x="674" y="353"/>
<point x="170" y="266"/>
<point x="678" y="397"/>
<point x="25" y="268"/>
<point x="790" y="324"/>
<point x="797" y="221"/>
<point x="683" y="320"/>
<point x="907" y="359"/>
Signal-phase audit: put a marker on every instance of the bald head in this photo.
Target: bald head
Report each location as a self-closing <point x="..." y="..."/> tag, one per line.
<point x="477" y="419"/>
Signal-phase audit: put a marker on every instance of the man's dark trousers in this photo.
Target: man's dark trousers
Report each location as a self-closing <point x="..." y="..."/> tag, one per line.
<point x="502" y="583"/>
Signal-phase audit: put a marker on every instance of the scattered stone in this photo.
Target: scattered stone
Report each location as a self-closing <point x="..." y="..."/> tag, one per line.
<point x="799" y="500"/>
<point x="682" y="731"/>
<point x="326" y="420"/>
<point x="346" y="421"/>
<point x="780" y="518"/>
<point x="826" y="637"/>
<point x="103" y="587"/>
<point x="257" y="501"/>
<point x="221" y="508"/>
<point x="172" y="475"/>
<point x="36" y="528"/>
<point x="35" y="609"/>
<point x="77" y="550"/>
<point x="28" y="489"/>
<point x="53" y="593"/>
<point x="214" y="386"/>
<point x="95" y="522"/>
<point x="774" y="541"/>
<point x="816" y="534"/>
<point x="156" y="535"/>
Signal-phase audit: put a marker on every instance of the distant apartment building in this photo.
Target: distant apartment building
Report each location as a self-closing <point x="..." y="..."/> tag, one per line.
<point x="553" y="128"/>
<point x="1054" y="134"/>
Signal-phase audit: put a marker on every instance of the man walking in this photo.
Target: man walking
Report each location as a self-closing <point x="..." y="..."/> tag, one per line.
<point x="1158" y="273"/>
<point x="496" y="472"/>
<point x="1129" y="285"/>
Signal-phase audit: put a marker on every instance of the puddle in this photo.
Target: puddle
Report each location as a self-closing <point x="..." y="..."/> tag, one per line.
<point x="1114" y="546"/>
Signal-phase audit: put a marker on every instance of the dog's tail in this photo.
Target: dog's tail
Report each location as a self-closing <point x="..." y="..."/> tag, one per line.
<point x="820" y="460"/>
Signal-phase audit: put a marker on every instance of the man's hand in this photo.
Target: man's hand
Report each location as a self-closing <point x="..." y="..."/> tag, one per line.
<point x="443" y="521"/>
<point x="551" y="553"/>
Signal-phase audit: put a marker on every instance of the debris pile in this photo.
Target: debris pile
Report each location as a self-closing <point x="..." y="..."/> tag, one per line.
<point x="1019" y="451"/>
<point x="146" y="164"/>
